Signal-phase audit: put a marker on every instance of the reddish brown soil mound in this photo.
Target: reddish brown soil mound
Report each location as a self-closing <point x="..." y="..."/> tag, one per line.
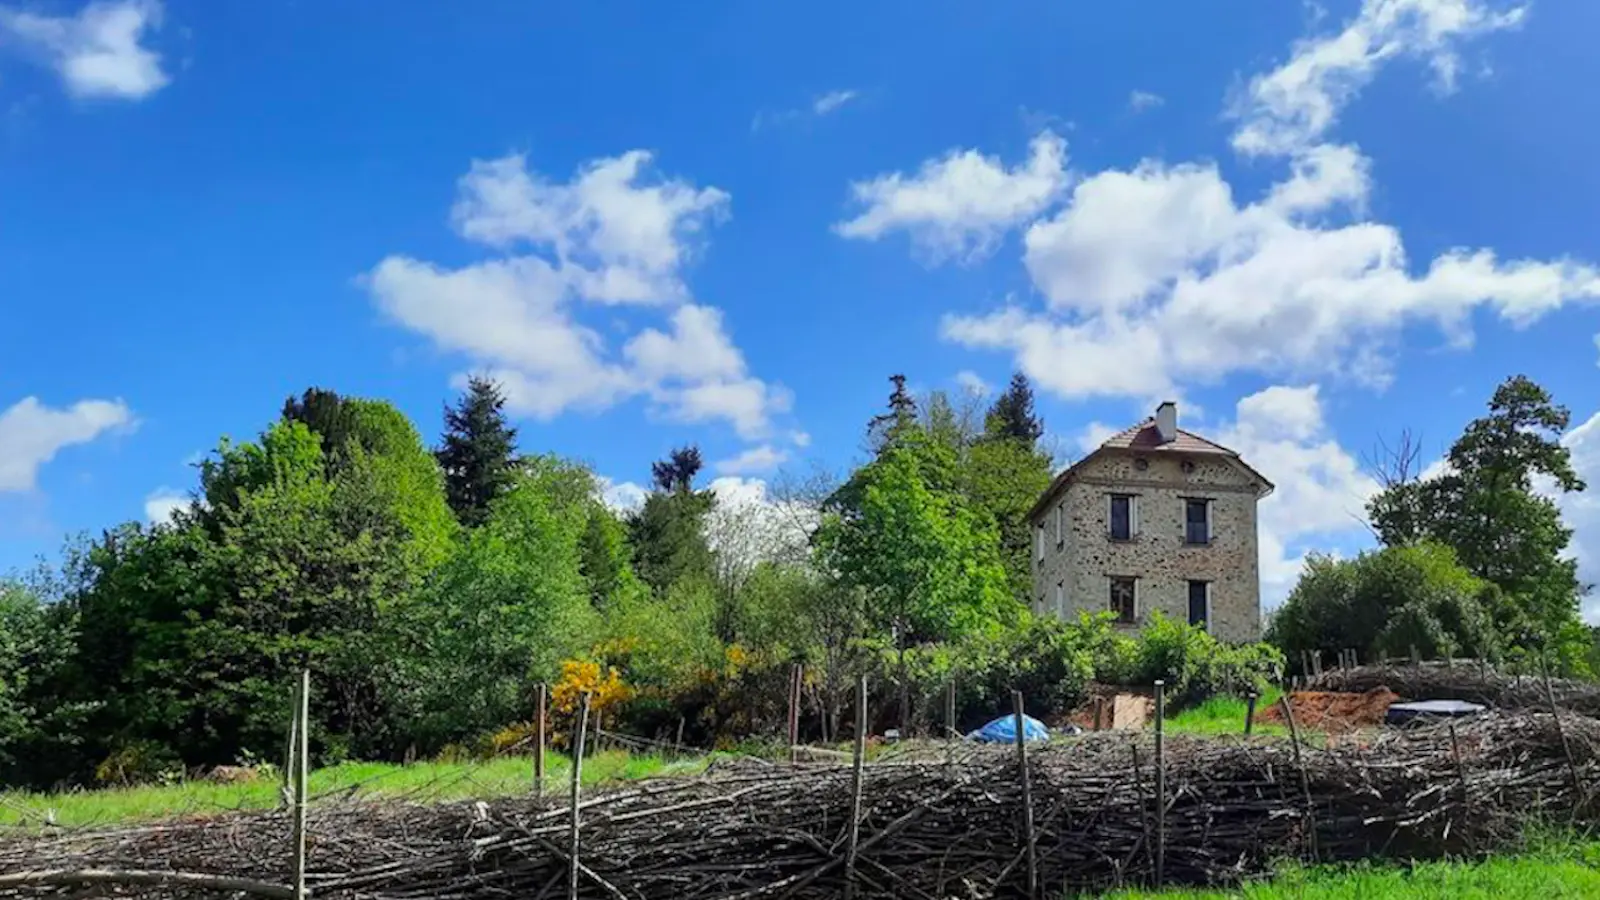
<point x="1332" y="712"/>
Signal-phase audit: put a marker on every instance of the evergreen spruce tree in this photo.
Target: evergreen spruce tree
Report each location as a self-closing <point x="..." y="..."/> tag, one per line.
<point x="888" y="428"/>
<point x="478" y="452"/>
<point x="668" y="533"/>
<point x="1012" y="415"/>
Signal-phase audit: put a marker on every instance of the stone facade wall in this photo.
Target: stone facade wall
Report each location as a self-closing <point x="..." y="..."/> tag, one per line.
<point x="1086" y="560"/>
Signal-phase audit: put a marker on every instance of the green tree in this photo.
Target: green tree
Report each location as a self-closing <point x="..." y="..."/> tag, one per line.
<point x="1012" y="415"/>
<point x="887" y="428"/>
<point x="605" y="557"/>
<point x="667" y="533"/>
<point x="1488" y="507"/>
<point x="503" y="612"/>
<point x="1383" y="602"/>
<point x="477" y="452"/>
<point x="39" y="727"/>
<point x="925" y="564"/>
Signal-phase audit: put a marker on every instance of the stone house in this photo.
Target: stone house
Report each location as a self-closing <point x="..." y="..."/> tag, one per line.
<point x="1156" y="518"/>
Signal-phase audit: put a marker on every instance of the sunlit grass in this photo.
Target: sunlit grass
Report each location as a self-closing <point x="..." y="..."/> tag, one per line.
<point x="421" y="782"/>
<point x="1224" y="715"/>
<point x="1556" y="870"/>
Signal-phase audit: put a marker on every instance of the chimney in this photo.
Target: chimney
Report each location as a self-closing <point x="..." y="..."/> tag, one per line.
<point x="1167" y="422"/>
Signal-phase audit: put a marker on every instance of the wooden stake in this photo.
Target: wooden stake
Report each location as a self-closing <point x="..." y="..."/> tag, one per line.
<point x="1555" y="713"/>
<point x="1305" y="783"/>
<point x="1416" y="656"/>
<point x="950" y="709"/>
<point x="291" y="744"/>
<point x="1316" y="662"/>
<point x="794" y="713"/>
<point x="1099" y="707"/>
<point x="1249" y="712"/>
<point x="856" y="779"/>
<point x="1161" y="783"/>
<point x="577" y="776"/>
<point x="302" y="774"/>
<point x="1027" y="796"/>
<point x="539" y="738"/>
<point x="678" y="744"/>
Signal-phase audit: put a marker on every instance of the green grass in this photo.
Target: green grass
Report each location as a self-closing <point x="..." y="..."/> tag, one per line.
<point x="1223" y="715"/>
<point x="1558" y="870"/>
<point x="423" y="782"/>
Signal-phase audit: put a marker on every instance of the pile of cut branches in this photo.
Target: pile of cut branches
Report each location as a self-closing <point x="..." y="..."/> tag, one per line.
<point x="943" y="827"/>
<point x="1464" y="680"/>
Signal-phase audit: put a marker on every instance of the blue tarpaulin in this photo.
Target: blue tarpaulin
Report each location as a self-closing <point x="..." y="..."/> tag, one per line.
<point x="1004" y="731"/>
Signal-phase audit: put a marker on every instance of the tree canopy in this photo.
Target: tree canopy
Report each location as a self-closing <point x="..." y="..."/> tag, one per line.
<point x="478" y="451"/>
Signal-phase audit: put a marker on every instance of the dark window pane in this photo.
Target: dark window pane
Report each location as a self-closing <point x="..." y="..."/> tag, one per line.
<point x="1121" y="518"/>
<point x="1197" y="602"/>
<point x="1194" y="521"/>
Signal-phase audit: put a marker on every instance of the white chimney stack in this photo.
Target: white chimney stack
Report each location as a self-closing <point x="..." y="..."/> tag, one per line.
<point x="1167" y="422"/>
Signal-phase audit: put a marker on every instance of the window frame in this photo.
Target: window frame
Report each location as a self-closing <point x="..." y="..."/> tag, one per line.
<point x="1061" y="597"/>
<point x="1111" y="517"/>
<point x="1039" y="543"/>
<point x="1133" y="591"/>
<point x="1061" y="531"/>
<point x="1204" y="623"/>
<point x="1206" y="503"/>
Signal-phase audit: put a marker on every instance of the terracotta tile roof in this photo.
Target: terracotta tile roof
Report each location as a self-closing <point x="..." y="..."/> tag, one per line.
<point x="1144" y="436"/>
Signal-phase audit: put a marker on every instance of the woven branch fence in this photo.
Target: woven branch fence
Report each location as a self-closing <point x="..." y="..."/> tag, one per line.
<point x="1464" y="680"/>
<point x="946" y="825"/>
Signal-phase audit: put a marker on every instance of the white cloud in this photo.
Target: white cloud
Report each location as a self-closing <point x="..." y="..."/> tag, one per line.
<point x="32" y="433"/>
<point x="959" y="205"/>
<point x="160" y="505"/>
<point x="621" y="497"/>
<point x="753" y="461"/>
<point x="97" y="52"/>
<point x="1320" y="490"/>
<point x="1162" y="263"/>
<point x="972" y="383"/>
<point x="1294" y="105"/>
<point x="1581" y="511"/>
<point x="832" y="101"/>
<point x="800" y="438"/>
<point x="1093" y="435"/>
<point x="1139" y="101"/>
<point x="612" y="235"/>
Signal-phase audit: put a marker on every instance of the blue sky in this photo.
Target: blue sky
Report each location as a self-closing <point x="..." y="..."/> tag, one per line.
<point x="728" y="223"/>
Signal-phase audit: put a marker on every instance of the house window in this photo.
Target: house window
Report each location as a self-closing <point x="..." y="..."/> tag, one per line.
<point x="1061" y="597"/>
<point x="1060" y="514"/>
<point x="1040" y="542"/>
<point x="1124" y="517"/>
<point x="1197" y="521"/>
<point x="1123" y="601"/>
<point x="1200" y="603"/>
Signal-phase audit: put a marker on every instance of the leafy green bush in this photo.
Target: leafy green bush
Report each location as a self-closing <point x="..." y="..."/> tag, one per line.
<point x="1384" y="602"/>
<point x="1196" y="666"/>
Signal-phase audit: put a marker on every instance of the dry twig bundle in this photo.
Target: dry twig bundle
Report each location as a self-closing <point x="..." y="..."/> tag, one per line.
<point x="1463" y="680"/>
<point x="949" y="827"/>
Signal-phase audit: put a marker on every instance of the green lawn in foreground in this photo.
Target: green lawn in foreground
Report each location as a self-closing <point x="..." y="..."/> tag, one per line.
<point x="429" y="781"/>
<point x="1556" y="871"/>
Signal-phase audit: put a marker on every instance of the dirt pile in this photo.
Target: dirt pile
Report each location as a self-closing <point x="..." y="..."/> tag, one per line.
<point x="1332" y="712"/>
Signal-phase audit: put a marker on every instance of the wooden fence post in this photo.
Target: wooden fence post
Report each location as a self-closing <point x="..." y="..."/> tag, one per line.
<point x="1305" y="783"/>
<point x="291" y="745"/>
<point x="301" y="777"/>
<point x="577" y="777"/>
<point x="794" y="713"/>
<point x="539" y="739"/>
<point x="856" y="780"/>
<point x="1249" y="712"/>
<point x="1099" y="708"/>
<point x="950" y="709"/>
<point x="1555" y="715"/>
<point x="1161" y="783"/>
<point x="1027" y="796"/>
